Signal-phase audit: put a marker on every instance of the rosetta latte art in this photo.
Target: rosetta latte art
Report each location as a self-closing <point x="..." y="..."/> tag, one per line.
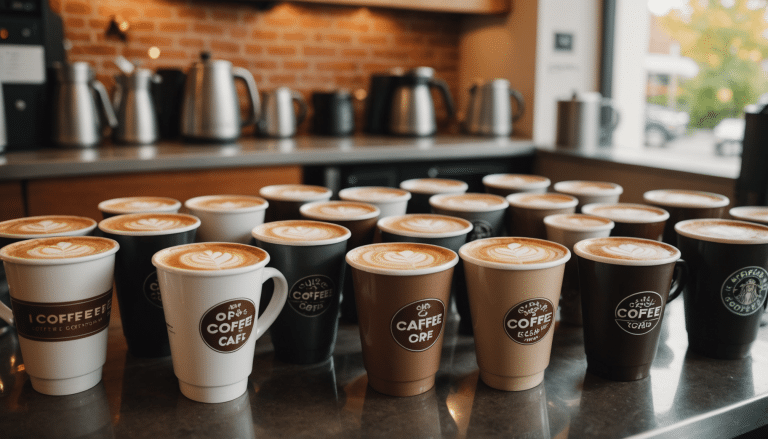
<point x="61" y="250"/>
<point x="343" y="211"/>
<point x="426" y="225"/>
<point x="732" y="232"/>
<point x="401" y="259"/>
<point x="152" y="224"/>
<point x="632" y="251"/>
<point x="211" y="260"/>
<point x="45" y="226"/>
<point x="520" y="253"/>
<point x="302" y="232"/>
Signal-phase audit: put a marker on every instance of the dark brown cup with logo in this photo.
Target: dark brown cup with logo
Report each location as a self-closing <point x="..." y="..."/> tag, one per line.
<point x="141" y="235"/>
<point x="486" y="212"/>
<point x="402" y="292"/>
<point x="632" y="220"/>
<point x="589" y="192"/>
<point x="527" y="212"/>
<point x="755" y="214"/>
<point x="508" y="184"/>
<point x="286" y="199"/>
<point x="684" y="205"/>
<point x="61" y="295"/>
<point x="122" y="206"/>
<point x="310" y="254"/>
<point x="360" y="219"/>
<point x="422" y="189"/>
<point x="514" y="288"/>
<point x="625" y="285"/>
<point x="724" y="299"/>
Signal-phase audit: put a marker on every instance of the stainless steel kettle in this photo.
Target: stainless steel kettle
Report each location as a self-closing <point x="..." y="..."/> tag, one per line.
<point x="79" y="103"/>
<point x="412" y="112"/>
<point x="490" y="108"/>
<point x="134" y="106"/>
<point x="210" y="108"/>
<point x="278" y="118"/>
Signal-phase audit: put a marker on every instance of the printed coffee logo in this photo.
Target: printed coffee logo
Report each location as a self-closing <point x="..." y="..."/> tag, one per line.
<point x="152" y="290"/>
<point x="529" y="321"/>
<point x="744" y="291"/>
<point x="62" y="321"/>
<point x="226" y="327"/>
<point x="418" y="325"/>
<point x="639" y="313"/>
<point x="312" y="295"/>
<point x="483" y="229"/>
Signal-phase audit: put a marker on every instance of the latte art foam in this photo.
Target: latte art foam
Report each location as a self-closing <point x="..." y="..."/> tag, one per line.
<point x="149" y="223"/>
<point x="404" y="259"/>
<point x="683" y="198"/>
<point x="401" y="257"/>
<point x="225" y="202"/>
<point x="140" y="204"/>
<point x="633" y="251"/>
<point x="46" y="225"/>
<point x="627" y="251"/>
<point x="587" y="187"/>
<point x="295" y="192"/>
<point x="373" y="194"/>
<point x="515" y="180"/>
<point x="738" y="232"/>
<point x="425" y="225"/>
<point x="152" y="224"/>
<point x="65" y="247"/>
<point x="469" y="202"/>
<point x="213" y="256"/>
<point x="516" y="251"/>
<point x="542" y="201"/>
<point x="308" y="233"/>
<point x="211" y="260"/>
<point x="434" y="185"/>
<point x="296" y="232"/>
<point x="339" y="210"/>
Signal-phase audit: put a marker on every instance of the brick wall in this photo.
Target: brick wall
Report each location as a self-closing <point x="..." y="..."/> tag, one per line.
<point x="306" y="47"/>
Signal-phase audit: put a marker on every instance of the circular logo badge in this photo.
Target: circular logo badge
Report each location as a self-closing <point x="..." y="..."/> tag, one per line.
<point x="227" y="326"/>
<point x="417" y="326"/>
<point x="639" y="313"/>
<point x="744" y="291"/>
<point x="483" y="229"/>
<point x="152" y="290"/>
<point x="312" y="295"/>
<point x="529" y="321"/>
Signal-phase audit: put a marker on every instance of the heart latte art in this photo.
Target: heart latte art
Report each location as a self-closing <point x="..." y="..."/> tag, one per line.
<point x="343" y="211"/>
<point x="426" y="225"/>
<point x="211" y="260"/>
<point x="61" y="250"/>
<point x="520" y="253"/>
<point x="513" y="252"/>
<point x="632" y="251"/>
<point x="401" y="257"/>
<point x="152" y="224"/>
<point x="307" y="233"/>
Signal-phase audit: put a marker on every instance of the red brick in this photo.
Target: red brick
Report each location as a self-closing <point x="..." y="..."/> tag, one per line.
<point x="189" y="12"/>
<point x="354" y="53"/>
<point x="208" y="28"/>
<point x="281" y="50"/>
<point x="336" y="66"/>
<point x="317" y="79"/>
<point x="319" y="51"/>
<point x="238" y="32"/>
<point x="264" y="35"/>
<point x="154" y="40"/>
<point x="336" y="38"/>
<point x="280" y="21"/>
<point x="135" y="53"/>
<point x="391" y="54"/>
<point x="195" y="43"/>
<point x="79" y="8"/>
<point x="157" y="12"/>
<point x="251" y="49"/>
<point x="265" y="65"/>
<point x="294" y="36"/>
<point x="74" y="22"/>
<point x="225" y="47"/>
<point x="173" y="54"/>
<point x="371" y="40"/>
<point x="409" y="40"/>
<point x="142" y="25"/>
<point x="295" y="65"/>
<point x="353" y="26"/>
<point x="314" y="22"/>
<point x="99" y="49"/>
<point x="77" y="36"/>
<point x="283" y="79"/>
<point x="172" y="26"/>
<point x="227" y="15"/>
<point x="98" y="23"/>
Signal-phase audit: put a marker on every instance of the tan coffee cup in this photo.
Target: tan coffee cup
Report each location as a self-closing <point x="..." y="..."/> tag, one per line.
<point x="589" y="192"/>
<point x="514" y="288"/>
<point x="632" y="220"/>
<point x="120" y="206"/>
<point x="390" y="201"/>
<point x="684" y="205"/>
<point x="527" y="212"/>
<point x="227" y="218"/>
<point x="286" y="199"/>
<point x="507" y="184"/>
<point x="402" y="292"/>
<point x="423" y="188"/>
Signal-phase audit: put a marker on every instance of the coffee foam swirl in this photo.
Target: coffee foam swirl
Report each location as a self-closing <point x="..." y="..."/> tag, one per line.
<point x="578" y="221"/>
<point x="213" y="256"/>
<point x="425" y="225"/>
<point x="633" y="251"/>
<point x="152" y="224"/>
<point x="339" y="210"/>
<point x="211" y="260"/>
<point x="401" y="257"/>
<point x="683" y="198"/>
<point x="542" y="201"/>
<point x="750" y="213"/>
<point x="515" y="251"/>
<point x="149" y="223"/>
<point x="626" y="251"/>
<point x="626" y="213"/>
<point x="46" y="225"/>
<point x="723" y="230"/>
<point x="295" y="232"/>
<point x="295" y="192"/>
<point x="59" y="248"/>
<point x="225" y="202"/>
<point x="515" y="181"/>
<point x="519" y="253"/>
<point x="469" y="202"/>
<point x="373" y="194"/>
<point x="434" y="185"/>
<point x="587" y="187"/>
<point x="139" y="204"/>
<point x="308" y="233"/>
<point x="404" y="259"/>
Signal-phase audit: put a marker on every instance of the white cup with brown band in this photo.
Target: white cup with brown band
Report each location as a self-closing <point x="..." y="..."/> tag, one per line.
<point x="508" y="184"/>
<point x="227" y="218"/>
<point x="61" y="295"/>
<point x="121" y="206"/>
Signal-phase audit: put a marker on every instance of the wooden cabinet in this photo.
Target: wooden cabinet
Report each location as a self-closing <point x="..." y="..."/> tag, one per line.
<point x="81" y="195"/>
<point x="458" y="6"/>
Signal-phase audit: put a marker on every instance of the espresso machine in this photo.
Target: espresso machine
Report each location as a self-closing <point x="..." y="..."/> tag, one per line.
<point x="31" y="38"/>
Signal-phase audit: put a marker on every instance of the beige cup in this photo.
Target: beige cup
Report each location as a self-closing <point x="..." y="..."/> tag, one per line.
<point x="507" y="184"/>
<point x="589" y="192"/>
<point x="632" y="220"/>
<point x="684" y="205"/>
<point x="423" y="188"/>
<point x="227" y="218"/>
<point x="286" y="199"/>
<point x="568" y="229"/>
<point x="514" y="288"/>
<point x="120" y="206"/>
<point x="402" y="292"/>
<point x="390" y="201"/>
<point x="527" y="212"/>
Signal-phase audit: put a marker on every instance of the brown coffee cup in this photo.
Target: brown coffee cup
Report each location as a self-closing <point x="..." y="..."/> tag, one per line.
<point x="755" y="214"/>
<point x="402" y="292"/>
<point x="632" y="220"/>
<point x="507" y="184"/>
<point x="422" y="189"/>
<point x="684" y="205"/>
<point x="286" y="199"/>
<point x="486" y="212"/>
<point x="625" y="285"/>
<point x="527" y="212"/>
<point x="514" y="288"/>
<point x="589" y="192"/>
<point x="120" y="206"/>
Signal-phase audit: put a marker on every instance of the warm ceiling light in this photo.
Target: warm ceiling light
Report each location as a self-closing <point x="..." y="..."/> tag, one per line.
<point x="154" y="52"/>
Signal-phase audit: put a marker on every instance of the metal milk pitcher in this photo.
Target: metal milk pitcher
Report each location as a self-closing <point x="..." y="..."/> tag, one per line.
<point x="580" y="121"/>
<point x="136" y="116"/>
<point x="79" y="103"/>
<point x="278" y="118"/>
<point x="490" y="108"/>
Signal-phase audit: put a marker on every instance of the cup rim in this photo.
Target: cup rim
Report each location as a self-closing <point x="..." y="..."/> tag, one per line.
<point x="256" y="232"/>
<point x="265" y="192"/>
<point x="615" y="190"/>
<point x="304" y="210"/>
<point x="77" y="232"/>
<point x="62" y="261"/>
<point x="409" y="185"/>
<point x="383" y="225"/>
<point x="437" y="198"/>
<point x="549" y="220"/>
<point x="679" y="229"/>
<point x="490" y="180"/>
<point x="590" y="209"/>
<point x="399" y="273"/>
<point x="514" y="201"/>
<point x="173" y="207"/>
<point x="104" y="229"/>
<point x="736" y="212"/>
<point x="346" y="195"/>
<point x="723" y="200"/>
<point x="463" y="252"/>
<point x="263" y="204"/>
<point x="209" y="273"/>
<point x="578" y="249"/>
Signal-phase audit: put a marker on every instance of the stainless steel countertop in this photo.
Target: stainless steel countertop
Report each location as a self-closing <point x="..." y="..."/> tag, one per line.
<point x="302" y="150"/>
<point x="687" y="395"/>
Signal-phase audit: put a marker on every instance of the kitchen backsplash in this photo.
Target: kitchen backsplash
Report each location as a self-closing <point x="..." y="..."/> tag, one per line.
<point x="306" y="47"/>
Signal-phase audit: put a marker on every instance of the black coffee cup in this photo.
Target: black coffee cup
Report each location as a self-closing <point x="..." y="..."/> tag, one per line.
<point x="334" y="113"/>
<point x="310" y="254"/>
<point x="138" y="291"/>
<point x="724" y="299"/>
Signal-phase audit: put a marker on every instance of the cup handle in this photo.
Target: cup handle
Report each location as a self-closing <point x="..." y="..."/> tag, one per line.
<point x="679" y="279"/>
<point x="279" y="295"/>
<point x="6" y="314"/>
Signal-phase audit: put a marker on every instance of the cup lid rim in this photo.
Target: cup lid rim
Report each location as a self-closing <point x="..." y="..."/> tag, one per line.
<point x="615" y="190"/>
<point x="491" y="181"/>
<point x="304" y="210"/>
<point x="383" y="225"/>
<point x="345" y="194"/>
<point x="265" y="192"/>
<point x="680" y="231"/>
<point x="168" y="208"/>
<point x="464" y="253"/>
<point x="401" y="273"/>
<point x="577" y="248"/>
<point x="513" y="201"/>
<point x="192" y="226"/>
<point x="76" y="232"/>
<point x="263" y="204"/>
<point x="58" y="261"/>
<point x="723" y="200"/>
<point x="437" y="198"/>
<point x="550" y="221"/>
<point x="209" y="273"/>
<point x="590" y="209"/>
<point x="409" y="185"/>
<point x="256" y="232"/>
<point x="736" y="212"/>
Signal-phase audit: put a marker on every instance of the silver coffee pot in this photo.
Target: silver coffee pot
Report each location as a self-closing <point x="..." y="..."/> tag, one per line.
<point x="136" y="116"/>
<point x="490" y="108"/>
<point x="412" y="112"/>
<point x="79" y="104"/>
<point x="278" y="118"/>
<point x="210" y="109"/>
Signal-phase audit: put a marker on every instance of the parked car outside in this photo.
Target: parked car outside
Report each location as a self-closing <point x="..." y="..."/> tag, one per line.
<point x="729" y="134"/>
<point x="663" y="124"/>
